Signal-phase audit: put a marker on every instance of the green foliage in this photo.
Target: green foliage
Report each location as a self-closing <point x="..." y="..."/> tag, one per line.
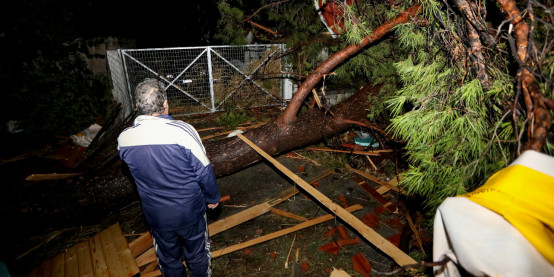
<point x="450" y="135"/>
<point x="62" y="97"/>
<point x="232" y="119"/>
<point x="46" y="82"/>
<point x="230" y="25"/>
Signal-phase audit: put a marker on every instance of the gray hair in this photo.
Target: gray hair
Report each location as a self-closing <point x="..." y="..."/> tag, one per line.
<point x="151" y="96"/>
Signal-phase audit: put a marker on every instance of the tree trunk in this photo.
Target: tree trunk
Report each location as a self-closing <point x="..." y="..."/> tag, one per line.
<point x="290" y="131"/>
<point x="232" y="154"/>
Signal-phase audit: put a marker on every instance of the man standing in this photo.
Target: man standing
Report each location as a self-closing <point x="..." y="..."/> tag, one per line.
<point x="175" y="181"/>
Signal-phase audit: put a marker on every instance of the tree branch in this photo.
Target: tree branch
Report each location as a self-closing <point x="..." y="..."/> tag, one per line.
<point x="263" y="7"/>
<point x="296" y="102"/>
<point x="538" y="116"/>
<point x="479" y="61"/>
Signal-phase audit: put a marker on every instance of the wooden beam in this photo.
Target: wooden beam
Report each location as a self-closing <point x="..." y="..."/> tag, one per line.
<point x="238" y="218"/>
<point x="258" y="240"/>
<point x="375" y="238"/>
<point x="377" y="180"/>
<point x="85" y="260"/>
<point x="141" y="244"/>
<point x="287" y="214"/>
<point x="367" y="153"/>
<point x="51" y="176"/>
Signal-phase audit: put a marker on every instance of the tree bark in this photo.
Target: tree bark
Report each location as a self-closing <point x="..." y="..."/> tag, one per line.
<point x="539" y="118"/>
<point x="232" y="154"/>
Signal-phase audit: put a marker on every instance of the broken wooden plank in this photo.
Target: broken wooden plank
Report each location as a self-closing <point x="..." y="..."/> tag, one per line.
<point x="216" y="227"/>
<point x="377" y="180"/>
<point x="371" y="235"/>
<point x="394" y="183"/>
<point x="287" y="214"/>
<point x="51" y="176"/>
<point x="357" y="152"/>
<point x="147" y="257"/>
<point x="280" y="233"/>
<point x="258" y="240"/>
<point x="238" y="218"/>
<point x="141" y="244"/>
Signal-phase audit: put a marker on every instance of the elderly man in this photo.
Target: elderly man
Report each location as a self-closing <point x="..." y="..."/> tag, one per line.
<point x="175" y="181"/>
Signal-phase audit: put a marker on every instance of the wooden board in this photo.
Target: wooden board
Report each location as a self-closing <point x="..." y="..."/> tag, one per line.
<point x="99" y="265"/>
<point x="71" y="263"/>
<point x="58" y="266"/>
<point x="85" y="259"/>
<point x="106" y="254"/>
<point x="238" y="218"/>
<point x="371" y="235"/>
<point x="119" y="260"/>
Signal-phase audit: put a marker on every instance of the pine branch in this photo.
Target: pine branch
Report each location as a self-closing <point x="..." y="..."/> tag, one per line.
<point x="296" y="102"/>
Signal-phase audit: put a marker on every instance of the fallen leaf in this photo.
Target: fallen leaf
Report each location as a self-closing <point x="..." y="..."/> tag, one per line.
<point x="361" y="264"/>
<point x="330" y="232"/>
<point x="395" y="223"/>
<point x="315" y="184"/>
<point x="301" y="168"/>
<point x="380" y="210"/>
<point x="395" y="239"/>
<point x="344" y="242"/>
<point x="371" y="220"/>
<point x="343" y="233"/>
<point x="342" y="199"/>
<point x="291" y="155"/>
<point x="259" y="231"/>
<point x="331" y="247"/>
<point x="305" y="266"/>
<point x="273" y="254"/>
<point x="247" y="251"/>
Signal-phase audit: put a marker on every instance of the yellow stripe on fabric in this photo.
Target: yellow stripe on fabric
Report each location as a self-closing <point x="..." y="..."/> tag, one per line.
<point x="525" y="198"/>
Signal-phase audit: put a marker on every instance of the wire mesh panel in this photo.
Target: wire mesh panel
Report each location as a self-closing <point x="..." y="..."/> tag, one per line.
<point x="247" y="76"/>
<point x="209" y="79"/>
<point x="120" y="89"/>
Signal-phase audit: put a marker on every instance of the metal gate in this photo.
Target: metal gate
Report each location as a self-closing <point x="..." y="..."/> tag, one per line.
<point x="202" y="79"/>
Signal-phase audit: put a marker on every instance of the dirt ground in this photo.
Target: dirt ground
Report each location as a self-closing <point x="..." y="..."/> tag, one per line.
<point x="41" y="219"/>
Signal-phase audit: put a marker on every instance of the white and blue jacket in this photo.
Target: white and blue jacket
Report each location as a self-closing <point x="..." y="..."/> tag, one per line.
<point x="173" y="175"/>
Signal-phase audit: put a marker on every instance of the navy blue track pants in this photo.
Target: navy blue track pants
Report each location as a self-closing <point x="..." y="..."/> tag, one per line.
<point x="191" y="244"/>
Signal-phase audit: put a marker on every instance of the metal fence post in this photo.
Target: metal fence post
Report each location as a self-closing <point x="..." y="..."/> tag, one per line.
<point x="212" y="95"/>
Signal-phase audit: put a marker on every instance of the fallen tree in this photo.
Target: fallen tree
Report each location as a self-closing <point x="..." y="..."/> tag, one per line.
<point x="291" y="130"/>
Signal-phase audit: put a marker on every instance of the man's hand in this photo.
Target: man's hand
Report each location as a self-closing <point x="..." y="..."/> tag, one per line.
<point x="213" y="206"/>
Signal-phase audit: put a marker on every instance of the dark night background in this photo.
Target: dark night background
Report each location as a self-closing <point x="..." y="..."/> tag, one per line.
<point x="47" y="90"/>
<point x="53" y="95"/>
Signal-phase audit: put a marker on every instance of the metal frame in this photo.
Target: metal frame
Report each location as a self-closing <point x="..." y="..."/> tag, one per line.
<point x="140" y="62"/>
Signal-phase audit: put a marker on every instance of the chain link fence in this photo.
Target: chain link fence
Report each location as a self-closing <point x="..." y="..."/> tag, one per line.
<point x="203" y="79"/>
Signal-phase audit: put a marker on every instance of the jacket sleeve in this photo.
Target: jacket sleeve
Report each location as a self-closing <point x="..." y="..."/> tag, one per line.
<point x="204" y="171"/>
<point x="208" y="183"/>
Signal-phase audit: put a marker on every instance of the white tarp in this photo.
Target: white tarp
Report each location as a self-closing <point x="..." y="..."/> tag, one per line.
<point x="481" y="242"/>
